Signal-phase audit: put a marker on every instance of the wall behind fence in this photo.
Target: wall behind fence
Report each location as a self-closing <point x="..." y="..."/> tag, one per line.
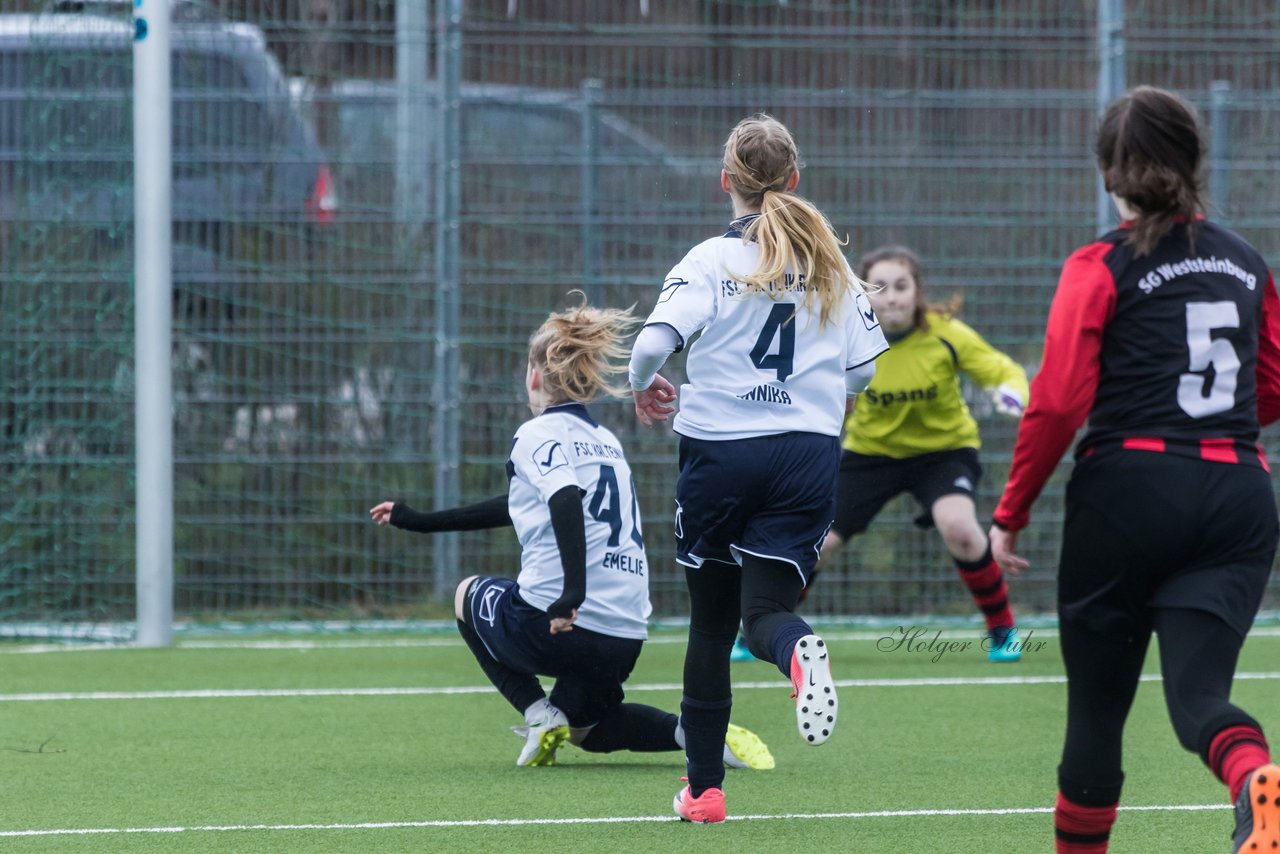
<point x="306" y="300"/>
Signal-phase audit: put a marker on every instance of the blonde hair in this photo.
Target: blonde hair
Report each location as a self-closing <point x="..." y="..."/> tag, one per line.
<point x="760" y="156"/>
<point x="577" y="351"/>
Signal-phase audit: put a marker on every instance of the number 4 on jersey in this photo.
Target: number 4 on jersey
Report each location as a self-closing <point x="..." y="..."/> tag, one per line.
<point x="778" y="325"/>
<point x="606" y="506"/>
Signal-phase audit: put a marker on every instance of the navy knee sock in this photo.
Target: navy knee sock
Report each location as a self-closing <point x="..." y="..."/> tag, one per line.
<point x="632" y="726"/>
<point x="785" y="638"/>
<point x="773" y="638"/>
<point x="705" y="725"/>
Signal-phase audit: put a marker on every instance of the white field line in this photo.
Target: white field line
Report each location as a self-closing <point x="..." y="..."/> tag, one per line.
<point x="522" y="822"/>
<point x="370" y="643"/>
<point x="950" y="633"/>
<point x="425" y="691"/>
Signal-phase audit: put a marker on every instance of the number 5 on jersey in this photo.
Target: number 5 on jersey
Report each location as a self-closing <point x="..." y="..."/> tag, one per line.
<point x="1207" y="352"/>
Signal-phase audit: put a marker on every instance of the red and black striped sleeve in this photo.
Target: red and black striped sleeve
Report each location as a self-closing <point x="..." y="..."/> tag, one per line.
<point x="1063" y="390"/>
<point x="1269" y="356"/>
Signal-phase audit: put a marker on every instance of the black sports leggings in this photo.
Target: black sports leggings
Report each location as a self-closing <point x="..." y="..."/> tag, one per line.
<point x="1198" y="654"/>
<point x="760" y="595"/>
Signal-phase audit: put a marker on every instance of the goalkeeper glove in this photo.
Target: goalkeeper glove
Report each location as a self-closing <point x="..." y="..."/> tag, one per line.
<point x="1008" y="401"/>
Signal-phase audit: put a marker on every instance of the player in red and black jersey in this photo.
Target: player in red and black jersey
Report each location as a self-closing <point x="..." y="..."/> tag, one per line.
<point x="1165" y="335"/>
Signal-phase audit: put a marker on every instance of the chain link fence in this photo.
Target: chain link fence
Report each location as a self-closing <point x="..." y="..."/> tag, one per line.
<point x="327" y="355"/>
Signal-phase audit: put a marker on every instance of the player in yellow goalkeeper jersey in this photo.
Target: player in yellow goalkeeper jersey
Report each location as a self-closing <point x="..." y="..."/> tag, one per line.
<point x="911" y="431"/>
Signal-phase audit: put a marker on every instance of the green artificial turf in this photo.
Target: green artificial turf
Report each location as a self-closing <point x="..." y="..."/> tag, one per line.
<point x="268" y="765"/>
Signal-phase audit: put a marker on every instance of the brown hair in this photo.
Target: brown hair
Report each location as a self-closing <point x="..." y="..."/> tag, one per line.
<point x="577" y="351"/>
<point x="909" y="259"/>
<point x="760" y="156"/>
<point x="1149" y="150"/>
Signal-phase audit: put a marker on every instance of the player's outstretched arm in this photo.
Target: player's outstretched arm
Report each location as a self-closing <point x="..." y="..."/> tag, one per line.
<point x="491" y="513"/>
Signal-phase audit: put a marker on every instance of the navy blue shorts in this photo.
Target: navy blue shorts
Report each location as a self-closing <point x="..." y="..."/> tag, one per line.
<point x="770" y="496"/>
<point x="588" y="667"/>
<point x="867" y="483"/>
<point x="1147" y="530"/>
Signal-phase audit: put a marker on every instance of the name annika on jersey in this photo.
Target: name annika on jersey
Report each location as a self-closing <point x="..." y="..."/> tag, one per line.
<point x="763" y="362"/>
<point x="563" y="447"/>
<point x="766" y="392"/>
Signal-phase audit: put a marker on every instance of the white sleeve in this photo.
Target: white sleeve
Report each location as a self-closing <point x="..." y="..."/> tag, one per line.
<point x="857" y="379"/>
<point x="866" y="338"/>
<point x="687" y="301"/>
<point x="653" y="346"/>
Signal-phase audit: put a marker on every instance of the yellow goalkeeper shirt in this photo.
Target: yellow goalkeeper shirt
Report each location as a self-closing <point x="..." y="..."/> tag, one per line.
<point x="914" y="405"/>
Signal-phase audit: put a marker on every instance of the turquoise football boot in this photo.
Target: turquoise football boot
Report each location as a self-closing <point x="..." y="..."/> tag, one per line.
<point x="1002" y="645"/>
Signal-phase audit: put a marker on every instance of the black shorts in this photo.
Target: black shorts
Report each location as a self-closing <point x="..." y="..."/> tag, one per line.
<point x="867" y="483"/>
<point x="589" y="667"/>
<point x="1149" y="530"/>
<point x="770" y="496"/>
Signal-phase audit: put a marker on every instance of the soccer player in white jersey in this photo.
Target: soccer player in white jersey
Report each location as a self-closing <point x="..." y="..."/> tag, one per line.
<point x="786" y="334"/>
<point x="578" y="611"/>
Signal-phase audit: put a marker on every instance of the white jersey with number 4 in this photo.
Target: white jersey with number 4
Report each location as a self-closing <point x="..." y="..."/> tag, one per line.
<point x="756" y="370"/>
<point x="564" y="446"/>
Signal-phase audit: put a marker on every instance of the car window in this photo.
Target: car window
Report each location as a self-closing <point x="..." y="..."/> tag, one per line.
<point x="76" y="101"/>
<point x="493" y="131"/>
<point x="510" y="132"/>
<point x="214" y="108"/>
<point x="517" y="149"/>
<point x="505" y="132"/>
<point x="367" y="130"/>
<point x="80" y="100"/>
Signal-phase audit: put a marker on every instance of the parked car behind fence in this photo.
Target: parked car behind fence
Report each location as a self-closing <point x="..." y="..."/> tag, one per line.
<point x="544" y="174"/>
<point x="242" y="154"/>
<point x="251" y="192"/>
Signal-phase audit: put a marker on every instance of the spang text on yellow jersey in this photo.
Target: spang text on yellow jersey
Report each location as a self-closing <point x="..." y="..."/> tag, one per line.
<point x="914" y="404"/>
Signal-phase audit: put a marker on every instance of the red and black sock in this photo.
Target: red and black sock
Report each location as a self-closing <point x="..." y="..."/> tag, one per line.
<point x="1234" y="753"/>
<point x="986" y="584"/>
<point x="1079" y="829"/>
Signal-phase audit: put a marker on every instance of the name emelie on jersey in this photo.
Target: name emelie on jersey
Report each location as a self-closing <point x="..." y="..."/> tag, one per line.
<point x="888" y="398"/>
<point x="1164" y="273"/>
<point x="767" y="394"/>
<point x="623" y="563"/>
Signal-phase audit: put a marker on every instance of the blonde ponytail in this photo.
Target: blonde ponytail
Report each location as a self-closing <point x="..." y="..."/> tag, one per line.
<point x="580" y="350"/>
<point x="760" y="158"/>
